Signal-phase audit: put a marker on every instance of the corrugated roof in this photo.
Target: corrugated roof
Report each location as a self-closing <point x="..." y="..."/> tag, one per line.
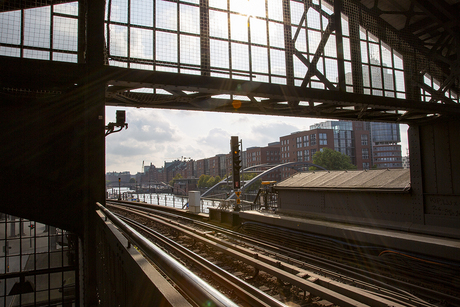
<point x="391" y="179"/>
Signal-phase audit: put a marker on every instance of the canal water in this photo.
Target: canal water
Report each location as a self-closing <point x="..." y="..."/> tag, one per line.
<point x="161" y="199"/>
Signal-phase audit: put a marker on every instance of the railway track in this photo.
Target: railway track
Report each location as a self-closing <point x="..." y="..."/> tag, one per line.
<point x="287" y="274"/>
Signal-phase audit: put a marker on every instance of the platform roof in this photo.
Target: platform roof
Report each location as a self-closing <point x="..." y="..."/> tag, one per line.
<point x="397" y="180"/>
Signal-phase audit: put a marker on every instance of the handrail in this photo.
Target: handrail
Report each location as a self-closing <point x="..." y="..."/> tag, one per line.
<point x="196" y="288"/>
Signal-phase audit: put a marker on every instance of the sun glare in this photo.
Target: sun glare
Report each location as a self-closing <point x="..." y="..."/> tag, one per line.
<point x="249" y="8"/>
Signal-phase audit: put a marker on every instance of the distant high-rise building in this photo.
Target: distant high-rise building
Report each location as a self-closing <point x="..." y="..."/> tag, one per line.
<point x="386" y="150"/>
<point x="347" y="137"/>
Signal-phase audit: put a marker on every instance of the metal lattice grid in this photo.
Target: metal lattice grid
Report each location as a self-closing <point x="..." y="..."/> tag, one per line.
<point x="318" y="44"/>
<point x="38" y="264"/>
<point x="44" y="33"/>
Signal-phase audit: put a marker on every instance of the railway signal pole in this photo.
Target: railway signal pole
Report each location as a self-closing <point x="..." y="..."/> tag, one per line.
<point x="236" y="165"/>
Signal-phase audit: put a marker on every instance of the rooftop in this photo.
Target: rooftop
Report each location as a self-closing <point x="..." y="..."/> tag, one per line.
<point x="397" y="180"/>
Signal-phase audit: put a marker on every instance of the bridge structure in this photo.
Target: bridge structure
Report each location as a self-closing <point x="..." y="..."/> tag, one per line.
<point x="63" y="61"/>
<point x="271" y="168"/>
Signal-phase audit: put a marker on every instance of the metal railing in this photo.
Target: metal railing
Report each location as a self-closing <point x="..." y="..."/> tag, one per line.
<point x="194" y="287"/>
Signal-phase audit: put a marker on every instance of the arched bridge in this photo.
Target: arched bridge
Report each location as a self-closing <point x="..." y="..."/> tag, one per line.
<point x="271" y="168"/>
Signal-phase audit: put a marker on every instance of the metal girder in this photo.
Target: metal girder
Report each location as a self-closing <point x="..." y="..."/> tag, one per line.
<point x="22" y="75"/>
<point x="424" y="33"/>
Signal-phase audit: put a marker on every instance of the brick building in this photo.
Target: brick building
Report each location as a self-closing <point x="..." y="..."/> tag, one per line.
<point x="264" y="155"/>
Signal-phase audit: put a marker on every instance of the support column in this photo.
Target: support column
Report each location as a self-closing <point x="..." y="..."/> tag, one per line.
<point x="93" y="91"/>
<point x="435" y="173"/>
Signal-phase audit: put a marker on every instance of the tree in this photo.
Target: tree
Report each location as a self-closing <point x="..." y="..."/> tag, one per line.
<point x="178" y="176"/>
<point x="211" y="182"/>
<point x="202" y="181"/>
<point x="332" y="160"/>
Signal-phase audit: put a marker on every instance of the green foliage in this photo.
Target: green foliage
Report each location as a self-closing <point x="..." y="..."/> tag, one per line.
<point x="178" y="176"/>
<point x="332" y="160"/>
<point x="211" y="181"/>
<point x="249" y="176"/>
<point x="255" y="185"/>
<point x="132" y="180"/>
<point x="203" y="180"/>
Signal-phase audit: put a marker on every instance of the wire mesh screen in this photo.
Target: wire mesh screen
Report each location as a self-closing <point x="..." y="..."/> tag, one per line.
<point x="44" y="32"/>
<point x="38" y="264"/>
<point x="291" y="42"/>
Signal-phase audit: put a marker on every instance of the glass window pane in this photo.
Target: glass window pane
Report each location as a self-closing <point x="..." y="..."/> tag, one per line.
<point x="240" y="57"/>
<point x="301" y="41"/>
<point x="376" y="77"/>
<point x="364" y="57"/>
<point x="10" y="23"/>
<point x="275" y="10"/>
<point x="119" y="11"/>
<point x="190" y="50"/>
<point x="220" y="4"/>
<point x="166" y="15"/>
<point x="398" y="60"/>
<point x="258" y="31"/>
<point x="259" y="59"/>
<point x="348" y="74"/>
<point x="399" y="78"/>
<point x="142" y="13"/>
<point x="386" y="55"/>
<point x="346" y="49"/>
<point x="277" y="62"/>
<point x="118" y="40"/>
<point x="374" y="54"/>
<point x="366" y="81"/>
<point x="313" y="19"/>
<point x="190" y="19"/>
<point x="388" y="79"/>
<point x="330" y="49"/>
<point x="218" y="25"/>
<point x="37" y="24"/>
<point x="166" y="47"/>
<point x="65" y="33"/>
<point x="314" y="37"/>
<point x="219" y="53"/>
<point x="239" y="27"/>
<point x="297" y="10"/>
<point x="141" y="44"/>
<point x="276" y="31"/>
<point x="345" y="31"/>
<point x="300" y="70"/>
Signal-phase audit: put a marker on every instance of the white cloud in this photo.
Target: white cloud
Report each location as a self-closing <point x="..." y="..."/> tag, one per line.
<point x="156" y="136"/>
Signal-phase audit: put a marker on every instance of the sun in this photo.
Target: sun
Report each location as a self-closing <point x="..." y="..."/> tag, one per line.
<point x="249" y="8"/>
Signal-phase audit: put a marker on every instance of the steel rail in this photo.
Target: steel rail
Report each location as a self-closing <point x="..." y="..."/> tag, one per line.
<point x="374" y="280"/>
<point x="341" y="294"/>
<point x="197" y="289"/>
<point x="245" y="291"/>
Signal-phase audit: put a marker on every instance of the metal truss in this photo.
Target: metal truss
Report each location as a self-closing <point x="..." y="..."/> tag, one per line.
<point x="431" y="49"/>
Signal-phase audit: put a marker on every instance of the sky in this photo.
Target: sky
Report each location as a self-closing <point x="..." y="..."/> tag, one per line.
<point x="158" y="135"/>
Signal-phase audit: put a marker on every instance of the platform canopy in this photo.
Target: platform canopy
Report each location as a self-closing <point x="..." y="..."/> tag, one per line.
<point x="395" y="180"/>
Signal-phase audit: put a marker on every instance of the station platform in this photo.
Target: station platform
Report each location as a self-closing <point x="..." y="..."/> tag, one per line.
<point x="438" y="247"/>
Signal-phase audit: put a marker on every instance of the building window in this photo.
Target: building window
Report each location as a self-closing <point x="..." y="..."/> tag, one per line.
<point x="313" y="139"/>
<point x="365" y="165"/>
<point x="363" y="139"/>
<point x="365" y="153"/>
<point x="307" y="155"/>
<point x="299" y="156"/>
<point x="299" y="142"/>
<point x="305" y="141"/>
<point x="313" y="151"/>
<point x="322" y="139"/>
